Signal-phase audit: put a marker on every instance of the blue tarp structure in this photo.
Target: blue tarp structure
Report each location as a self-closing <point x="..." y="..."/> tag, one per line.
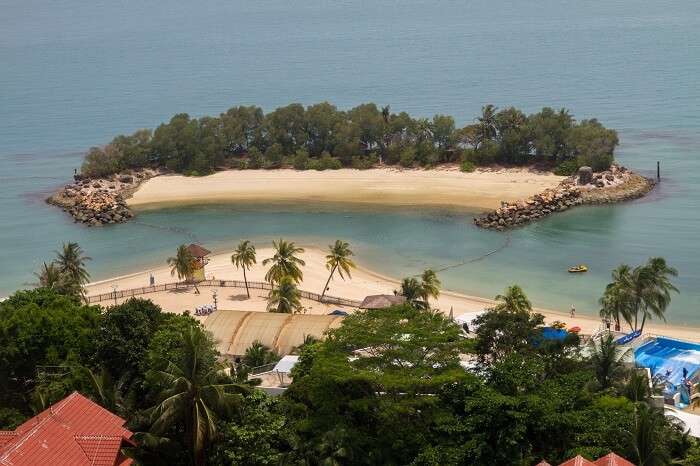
<point x="668" y="357"/>
<point x="549" y="333"/>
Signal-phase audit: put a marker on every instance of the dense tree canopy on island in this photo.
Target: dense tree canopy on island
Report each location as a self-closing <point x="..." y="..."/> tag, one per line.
<point x="321" y="137"/>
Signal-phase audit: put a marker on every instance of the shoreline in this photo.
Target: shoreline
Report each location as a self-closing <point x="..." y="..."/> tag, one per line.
<point x="443" y="187"/>
<point x="364" y="282"/>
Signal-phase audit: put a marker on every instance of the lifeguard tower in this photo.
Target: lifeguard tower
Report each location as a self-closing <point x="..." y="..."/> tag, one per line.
<point x="200" y="256"/>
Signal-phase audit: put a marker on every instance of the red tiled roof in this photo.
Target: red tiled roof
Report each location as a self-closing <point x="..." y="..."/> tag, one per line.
<point x="578" y="461"/>
<point x="73" y="432"/>
<point x="611" y="459"/>
<point x="6" y="437"/>
<point x="198" y="251"/>
<point x="543" y="463"/>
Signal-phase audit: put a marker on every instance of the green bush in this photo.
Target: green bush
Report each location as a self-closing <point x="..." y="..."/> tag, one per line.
<point x="273" y="156"/>
<point x="366" y="162"/>
<point x="598" y="162"/>
<point x="301" y="160"/>
<point x="408" y="157"/>
<point x="326" y="162"/>
<point x="467" y="166"/>
<point x="255" y="158"/>
<point x="567" y="168"/>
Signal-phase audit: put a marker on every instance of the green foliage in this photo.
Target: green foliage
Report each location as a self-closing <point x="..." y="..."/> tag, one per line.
<point x="359" y="138"/>
<point x="41" y="328"/>
<point x="284" y="263"/>
<point x="257" y="436"/>
<point x="284" y="297"/>
<point x="567" y="167"/>
<point x="125" y="335"/>
<point x="467" y="166"/>
<point x="257" y="355"/>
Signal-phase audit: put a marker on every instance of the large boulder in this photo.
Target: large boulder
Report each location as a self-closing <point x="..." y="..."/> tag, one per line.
<point x="585" y="175"/>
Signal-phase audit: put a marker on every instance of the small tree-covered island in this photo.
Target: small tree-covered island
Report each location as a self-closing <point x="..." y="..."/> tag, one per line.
<point x="322" y="137"/>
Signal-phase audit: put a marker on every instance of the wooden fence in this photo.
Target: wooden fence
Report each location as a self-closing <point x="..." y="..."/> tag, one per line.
<point x="132" y="292"/>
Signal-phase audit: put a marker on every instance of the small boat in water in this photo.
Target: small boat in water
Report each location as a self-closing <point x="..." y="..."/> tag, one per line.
<point x="578" y="269"/>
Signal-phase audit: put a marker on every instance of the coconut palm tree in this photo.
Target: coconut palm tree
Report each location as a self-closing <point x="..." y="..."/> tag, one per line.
<point x="70" y="261"/>
<point x="644" y="290"/>
<point x="285" y="262"/>
<point x="615" y="302"/>
<point x="284" y="297"/>
<point x="258" y="354"/>
<point x="50" y="276"/>
<point x="183" y="264"/>
<point x="338" y="259"/>
<point x="244" y="257"/>
<point x="430" y="285"/>
<point x="412" y="290"/>
<point x="606" y="359"/>
<point x="657" y="292"/>
<point x="646" y="437"/>
<point x="195" y="394"/>
<point x="513" y="300"/>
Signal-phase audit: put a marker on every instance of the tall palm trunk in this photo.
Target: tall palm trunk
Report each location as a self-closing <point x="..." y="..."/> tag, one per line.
<point x="323" y="293"/>
<point x="245" y="280"/>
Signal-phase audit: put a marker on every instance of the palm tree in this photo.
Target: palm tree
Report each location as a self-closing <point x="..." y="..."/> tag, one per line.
<point x="285" y="263"/>
<point x="637" y="387"/>
<point x="244" y="257"/>
<point x="514" y="300"/>
<point x="657" y="293"/>
<point x="70" y="261"/>
<point x="257" y="355"/>
<point x="285" y="297"/>
<point x="338" y="259"/>
<point x="195" y="395"/>
<point x="183" y="265"/>
<point x="430" y="285"/>
<point x="646" y="438"/>
<point x="646" y="289"/>
<point x="50" y="276"/>
<point x="606" y="359"/>
<point x="615" y="303"/>
<point x="412" y="290"/>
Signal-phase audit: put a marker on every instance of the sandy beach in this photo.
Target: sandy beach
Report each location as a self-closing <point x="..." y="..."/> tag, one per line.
<point x="446" y="187"/>
<point x="363" y="282"/>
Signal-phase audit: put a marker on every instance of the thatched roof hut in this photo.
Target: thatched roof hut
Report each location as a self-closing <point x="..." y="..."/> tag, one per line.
<point x="381" y="301"/>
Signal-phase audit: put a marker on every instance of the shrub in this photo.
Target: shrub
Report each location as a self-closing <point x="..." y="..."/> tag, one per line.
<point x="273" y="156"/>
<point x="467" y="166"/>
<point x="255" y="158"/>
<point x="567" y="168"/>
<point x="364" y="163"/>
<point x="326" y="162"/>
<point x="301" y="160"/>
<point x="598" y="162"/>
<point x="408" y="157"/>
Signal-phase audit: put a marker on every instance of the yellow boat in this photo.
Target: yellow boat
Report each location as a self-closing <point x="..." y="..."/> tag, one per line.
<point x="578" y="269"/>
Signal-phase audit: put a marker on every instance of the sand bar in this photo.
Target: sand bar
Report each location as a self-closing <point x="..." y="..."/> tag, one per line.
<point x="446" y="187"/>
<point x="363" y="282"/>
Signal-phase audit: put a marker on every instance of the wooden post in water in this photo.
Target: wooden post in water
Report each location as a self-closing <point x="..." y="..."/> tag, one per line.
<point x="658" y="171"/>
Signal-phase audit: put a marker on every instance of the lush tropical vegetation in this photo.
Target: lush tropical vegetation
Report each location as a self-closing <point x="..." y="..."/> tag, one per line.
<point x="67" y="273"/>
<point x="322" y="137"/>
<point x="394" y="386"/>
<point x="183" y="264"/>
<point x="284" y="263"/>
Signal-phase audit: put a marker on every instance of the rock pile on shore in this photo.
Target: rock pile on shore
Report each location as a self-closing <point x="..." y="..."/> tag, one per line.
<point x="100" y="201"/>
<point x="614" y="185"/>
<point x="540" y="205"/>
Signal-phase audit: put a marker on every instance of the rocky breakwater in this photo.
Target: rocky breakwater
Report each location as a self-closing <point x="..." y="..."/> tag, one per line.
<point x="540" y="205"/>
<point x="614" y="185"/>
<point x="99" y="201"/>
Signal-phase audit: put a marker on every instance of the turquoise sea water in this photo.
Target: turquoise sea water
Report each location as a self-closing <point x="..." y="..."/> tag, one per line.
<point x="73" y="74"/>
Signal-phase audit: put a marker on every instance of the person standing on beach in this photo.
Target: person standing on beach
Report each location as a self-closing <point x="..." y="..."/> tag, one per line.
<point x="573" y="311"/>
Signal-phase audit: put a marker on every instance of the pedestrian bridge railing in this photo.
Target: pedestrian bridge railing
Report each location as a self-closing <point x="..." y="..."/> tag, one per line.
<point x="133" y="292"/>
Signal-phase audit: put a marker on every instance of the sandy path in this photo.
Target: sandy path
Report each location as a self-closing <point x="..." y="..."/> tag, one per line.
<point x="363" y="282"/>
<point x="480" y="190"/>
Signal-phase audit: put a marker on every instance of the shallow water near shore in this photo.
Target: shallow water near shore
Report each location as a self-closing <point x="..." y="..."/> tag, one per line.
<point x="74" y="75"/>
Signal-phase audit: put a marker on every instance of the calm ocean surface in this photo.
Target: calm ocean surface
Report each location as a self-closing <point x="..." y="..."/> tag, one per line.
<point x="73" y="74"/>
